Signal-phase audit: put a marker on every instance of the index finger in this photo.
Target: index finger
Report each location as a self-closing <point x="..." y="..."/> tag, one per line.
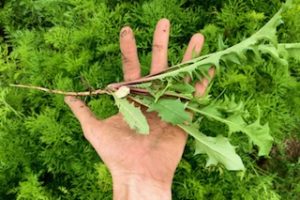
<point x="160" y="46"/>
<point x="130" y="60"/>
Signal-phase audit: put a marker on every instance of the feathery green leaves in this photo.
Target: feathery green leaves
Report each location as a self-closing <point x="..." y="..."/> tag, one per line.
<point x="74" y="45"/>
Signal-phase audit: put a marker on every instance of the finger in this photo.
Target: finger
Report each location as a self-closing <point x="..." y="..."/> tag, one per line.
<point x="130" y="60"/>
<point x="160" y="46"/>
<point x="80" y="110"/>
<point x="194" y="47"/>
<point x="200" y="87"/>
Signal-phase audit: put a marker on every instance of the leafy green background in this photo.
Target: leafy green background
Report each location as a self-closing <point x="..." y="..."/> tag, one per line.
<point x="73" y="45"/>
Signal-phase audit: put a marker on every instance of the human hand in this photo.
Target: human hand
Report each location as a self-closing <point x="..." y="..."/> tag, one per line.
<point x="142" y="166"/>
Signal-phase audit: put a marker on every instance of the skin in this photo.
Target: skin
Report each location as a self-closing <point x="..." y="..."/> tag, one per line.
<point x="142" y="166"/>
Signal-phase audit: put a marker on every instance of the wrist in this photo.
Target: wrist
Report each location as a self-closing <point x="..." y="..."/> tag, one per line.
<point x="137" y="186"/>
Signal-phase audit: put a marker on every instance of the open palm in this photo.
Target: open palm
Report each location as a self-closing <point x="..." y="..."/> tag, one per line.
<point x="126" y="153"/>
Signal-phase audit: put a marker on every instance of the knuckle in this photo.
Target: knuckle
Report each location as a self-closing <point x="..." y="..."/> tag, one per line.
<point x="125" y="60"/>
<point x="158" y="47"/>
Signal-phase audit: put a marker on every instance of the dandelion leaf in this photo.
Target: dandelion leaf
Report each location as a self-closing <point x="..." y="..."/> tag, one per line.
<point x="257" y="133"/>
<point x="133" y="116"/>
<point x="171" y="110"/>
<point x="218" y="149"/>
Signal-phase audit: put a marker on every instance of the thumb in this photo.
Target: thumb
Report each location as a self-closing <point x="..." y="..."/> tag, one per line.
<point x="80" y="110"/>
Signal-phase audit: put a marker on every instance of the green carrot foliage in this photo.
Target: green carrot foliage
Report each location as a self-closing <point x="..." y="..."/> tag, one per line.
<point x="251" y="108"/>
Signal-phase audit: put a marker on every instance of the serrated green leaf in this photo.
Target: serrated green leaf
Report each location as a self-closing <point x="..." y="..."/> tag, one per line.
<point x="257" y="133"/>
<point x="236" y="53"/>
<point x="143" y="85"/>
<point x="234" y="122"/>
<point x="231" y="58"/>
<point x="183" y="88"/>
<point x="260" y="136"/>
<point x="171" y="110"/>
<point x="218" y="149"/>
<point x="272" y="51"/>
<point x="158" y="92"/>
<point x="133" y="116"/>
<point x="291" y="50"/>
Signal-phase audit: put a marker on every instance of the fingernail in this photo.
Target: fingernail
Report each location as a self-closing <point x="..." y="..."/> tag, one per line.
<point x="125" y="31"/>
<point x="164" y="24"/>
<point x="198" y="40"/>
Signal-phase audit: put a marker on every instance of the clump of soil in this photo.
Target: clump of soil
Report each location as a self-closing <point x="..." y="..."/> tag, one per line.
<point x="292" y="149"/>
